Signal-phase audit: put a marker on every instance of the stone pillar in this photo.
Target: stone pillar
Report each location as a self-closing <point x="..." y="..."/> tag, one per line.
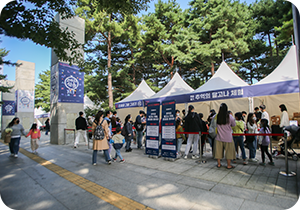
<point x="24" y="85"/>
<point x="67" y="88"/>
<point x="8" y="106"/>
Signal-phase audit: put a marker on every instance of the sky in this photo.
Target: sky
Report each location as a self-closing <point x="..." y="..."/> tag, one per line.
<point x="40" y="55"/>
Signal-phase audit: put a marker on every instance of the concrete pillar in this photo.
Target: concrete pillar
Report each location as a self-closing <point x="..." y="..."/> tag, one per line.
<point x="24" y="85"/>
<point x="67" y="87"/>
<point x="8" y="103"/>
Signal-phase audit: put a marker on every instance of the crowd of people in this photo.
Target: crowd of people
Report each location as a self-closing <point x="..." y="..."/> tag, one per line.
<point x="107" y="132"/>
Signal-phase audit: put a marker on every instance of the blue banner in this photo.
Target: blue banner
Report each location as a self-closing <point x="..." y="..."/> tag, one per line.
<point x="129" y="104"/>
<point x="168" y="130"/>
<point x="8" y="108"/>
<point x="71" y="84"/>
<point x="152" y="129"/>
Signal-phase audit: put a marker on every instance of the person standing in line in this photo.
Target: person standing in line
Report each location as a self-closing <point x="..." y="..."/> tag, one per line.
<point x="252" y="128"/>
<point x="264" y="113"/>
<point x="203" y="129"/>
<point x="244" y="116"/>
<point x="114" y="121"/>
<point x="100" y="144"/>
<point x="35" y="135"/>
<point x="224" y="140"/>
<point x="118" y="142"/>
<point x="284" y="119"/>
<point x="239" y="129"/>
<point x="81" y="127"/>
<point x="139" y="126"/>
<point x="177" y="115"/>
<point x="47" y="126"/>
<point x="17" y="131"/>
<point x="257" y="114"/>
<point x="108" y="116"/>
<point x="264" y="142"/>
<point x="192" y="124"/>
<point x="128" y="133"/>
<point x="209" y="119"/>
<point x="180" y="137"/>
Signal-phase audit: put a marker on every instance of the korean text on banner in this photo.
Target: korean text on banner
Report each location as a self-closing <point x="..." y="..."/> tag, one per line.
<point x="152" y="134"/>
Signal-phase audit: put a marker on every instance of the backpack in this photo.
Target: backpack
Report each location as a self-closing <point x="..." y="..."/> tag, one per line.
<point x="123" y="131"/>
<point x="99" y="132"/>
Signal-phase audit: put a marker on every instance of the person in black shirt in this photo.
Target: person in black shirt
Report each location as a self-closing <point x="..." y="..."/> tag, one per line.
<point x="81" y="127"/>
<point x="139" y="126"/>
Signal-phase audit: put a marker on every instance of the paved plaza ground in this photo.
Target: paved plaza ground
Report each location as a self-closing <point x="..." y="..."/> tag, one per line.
<point x="61" y="177"/>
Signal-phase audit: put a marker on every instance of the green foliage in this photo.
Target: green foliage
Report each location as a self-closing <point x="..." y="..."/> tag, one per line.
<point x="4" y="53"/>
<point x="42" y="91"/>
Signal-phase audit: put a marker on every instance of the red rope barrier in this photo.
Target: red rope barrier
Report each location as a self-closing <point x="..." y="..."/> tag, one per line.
<point x="239" y="134"/>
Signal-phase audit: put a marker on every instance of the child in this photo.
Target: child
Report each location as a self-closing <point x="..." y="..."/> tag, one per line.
<point x="180" y="137"/>
<point x="264" y="142"/>
<point x="118" y="140"/>
<point x="35" y="134"/>
<point x="239" y="129"/>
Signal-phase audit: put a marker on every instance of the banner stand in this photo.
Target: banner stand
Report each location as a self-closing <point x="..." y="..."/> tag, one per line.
<point x="152" y="131"/>
<point x="200" y="146"/>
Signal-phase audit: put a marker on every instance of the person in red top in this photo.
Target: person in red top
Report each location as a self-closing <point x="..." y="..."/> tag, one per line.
<point x="35" y="135"/>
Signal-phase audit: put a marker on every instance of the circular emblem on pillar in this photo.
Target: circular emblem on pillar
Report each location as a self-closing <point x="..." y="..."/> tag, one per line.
<point x="8" y="108"/>
<point x="25" y="100"/>
<point x="71" y="83"/>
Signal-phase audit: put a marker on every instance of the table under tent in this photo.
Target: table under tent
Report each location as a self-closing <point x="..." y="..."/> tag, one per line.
<point x="176" y="89"/>
<point x="224" y="87"/>
<point x="279" y="87"/>
<point x="133" y="103"/>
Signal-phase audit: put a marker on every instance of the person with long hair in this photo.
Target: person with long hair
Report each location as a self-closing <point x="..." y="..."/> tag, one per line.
<point x="35" y="135"/>
<point x="180" y="137"/>
<point x="239" y="140"/>
<point x="100" y="144"/>
<point x="47" y="126"/>
<point x="252" y="140"/>
<point x="264" y="142"/>
<point x="284" y="119"/>
<point x="18" y="130"/>
<point x="223" y="140"/>
<point x="128" y="132"/>
<point x="192" y="124"/>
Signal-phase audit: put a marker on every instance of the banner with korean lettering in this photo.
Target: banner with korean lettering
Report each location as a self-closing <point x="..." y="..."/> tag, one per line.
<point x="152" y="129"/>
<point x="168" y="132"/>
<point x="8" y="108"/>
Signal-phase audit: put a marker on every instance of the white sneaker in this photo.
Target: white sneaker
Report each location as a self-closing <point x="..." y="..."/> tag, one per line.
<point x="185" y="157"/>
<point x="15" y="155"/>
<point x="94" y="164"/>
<point x="195" y="156"/>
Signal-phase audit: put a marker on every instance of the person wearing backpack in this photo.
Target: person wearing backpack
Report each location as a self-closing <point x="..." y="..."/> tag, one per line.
<point x="100" y="133"/>
<point x="128" y="133"/>
<point x="139" y="126"/>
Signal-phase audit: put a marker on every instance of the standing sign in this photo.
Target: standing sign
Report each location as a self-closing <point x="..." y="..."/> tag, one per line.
<point x="168" y="130"/>
<point x="8" y="108"/>
<point x="152" y="134"/>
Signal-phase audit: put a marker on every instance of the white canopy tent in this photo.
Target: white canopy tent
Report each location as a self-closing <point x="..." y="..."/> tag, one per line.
<point x="133" y="103"/>
<point x="279" y="87"/>
<point x="176" y="89"/>
<point x="224" y="87"/>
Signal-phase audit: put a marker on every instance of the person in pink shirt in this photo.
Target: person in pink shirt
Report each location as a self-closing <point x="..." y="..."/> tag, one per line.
<point x="35" y="135"/>
<point x="224" y="140"/>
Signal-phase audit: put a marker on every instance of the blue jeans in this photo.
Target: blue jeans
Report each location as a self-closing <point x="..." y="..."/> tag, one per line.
<point x="107" y="158"/>
<point x="14" y="145"/>
<point x="179" y="143"/>
<point x="46" y="133"/>
<point x="110" y="147"/>
<point x="252" y="148"/>
<point x="240" y="140"/>
<point x="118" y="153"/>
<point x="139" y="137"/>
<point x="128" y="142"/>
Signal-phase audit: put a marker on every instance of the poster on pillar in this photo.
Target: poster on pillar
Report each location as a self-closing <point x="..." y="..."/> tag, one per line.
<point x="168" y="130"/>
<point x="71" y="84"/>
<point x="152" y="131"/>
<point x="25" y="101"/>
<point x="8" y="108"/>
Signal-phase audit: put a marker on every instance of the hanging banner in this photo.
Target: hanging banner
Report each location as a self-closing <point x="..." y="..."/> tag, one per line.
<point x="25" y="101"/>
<point x="152" y="133"/>
<point x="168" y="138"/>
<point x="8" y="108"/>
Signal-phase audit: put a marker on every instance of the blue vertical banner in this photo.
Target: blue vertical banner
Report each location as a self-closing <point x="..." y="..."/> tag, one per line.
<point x="8" y="108"/>
<point x="168" y="130"/>
<point x="71" y="84"/>
<point x="152" y="133"/>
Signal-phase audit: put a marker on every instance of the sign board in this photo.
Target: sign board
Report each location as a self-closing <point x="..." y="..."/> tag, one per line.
<point x="152" y="131"/>
<point x="25" y="100"/>
<point x="168" y="133"/>
<point x="8" y="108"/>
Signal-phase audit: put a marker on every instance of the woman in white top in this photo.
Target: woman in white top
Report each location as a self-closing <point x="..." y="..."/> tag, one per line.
<point x="284" y="119"/>
<point x="264" y="113"/>
<point x="252" y="140"/>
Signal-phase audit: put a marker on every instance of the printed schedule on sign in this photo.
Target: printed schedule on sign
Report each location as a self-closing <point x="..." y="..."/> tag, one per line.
<point x="152" y="130"/>
<point x="168" y="132"/>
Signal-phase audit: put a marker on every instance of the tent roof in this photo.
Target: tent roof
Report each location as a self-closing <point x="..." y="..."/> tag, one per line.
<point x="176" y="86"/>
<point x="285" y="71"/>
<point x="223" y="78"/>
<point x="143" y="91"/>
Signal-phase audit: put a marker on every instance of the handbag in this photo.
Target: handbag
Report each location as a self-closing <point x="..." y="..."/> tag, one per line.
<point x="213" y="128"/>
<point x="7" y="138"/>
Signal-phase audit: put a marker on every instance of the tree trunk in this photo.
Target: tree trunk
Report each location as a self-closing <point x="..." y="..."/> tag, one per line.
<point x="212" y="69"/>
<point x="109" y="79"/>
<point x="270" y="43"/>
